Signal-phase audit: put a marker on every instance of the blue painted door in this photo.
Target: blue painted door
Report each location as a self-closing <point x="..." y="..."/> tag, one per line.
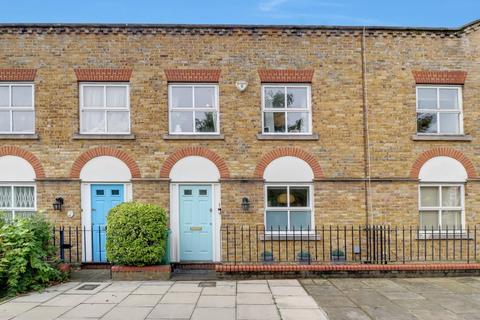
<point x="104" y="197"/>
<point x="195" y="223"/>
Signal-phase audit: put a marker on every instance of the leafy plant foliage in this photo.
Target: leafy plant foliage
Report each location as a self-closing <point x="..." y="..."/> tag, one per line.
<point x="136" y="234"/>
<point x="26" y="256"/>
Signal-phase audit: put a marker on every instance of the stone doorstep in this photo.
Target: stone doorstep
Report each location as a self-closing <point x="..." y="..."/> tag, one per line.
<point x="126" y="273"/>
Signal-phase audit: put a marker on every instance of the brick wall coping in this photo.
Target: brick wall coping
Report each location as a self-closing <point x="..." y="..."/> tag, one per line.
<point x="440" y="77"/>
<point x="446" y="152"/>
<point x="348" y="267"/>
<point x="27" y="155"/>
<point x="192" y="75"/>
<point x="15" y="74"/>
<point x="104" y="74"/>
<point x="285" y="76"/>
<point x="104" y="151"/>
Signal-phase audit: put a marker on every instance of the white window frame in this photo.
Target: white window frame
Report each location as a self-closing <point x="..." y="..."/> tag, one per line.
<point x="13" y="209"/>
<point x="287" y="110"/>
<point x="288" y="208"/>
<point x="438" y="111"/>
<point x="104" y="108"/>
<point x="441" y="208"/>
<point x="216" y="108"/>
<point x="12" y="108"/>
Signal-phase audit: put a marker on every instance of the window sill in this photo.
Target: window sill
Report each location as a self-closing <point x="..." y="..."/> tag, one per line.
<point x="193" y="137"/>
<point x="313" y="136"/>
<point x="28" y="136"/>
<point x="419" y="137"/>
<point x="79" y="136"/>
<point x="443" y="235"/>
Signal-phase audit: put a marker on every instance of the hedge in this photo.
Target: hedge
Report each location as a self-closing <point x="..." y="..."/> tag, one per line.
<point x="136" y="234"/>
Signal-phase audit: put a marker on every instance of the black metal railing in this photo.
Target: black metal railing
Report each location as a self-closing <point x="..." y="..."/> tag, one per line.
<point x="377" y="244"/>
<point x="77" y="244"/>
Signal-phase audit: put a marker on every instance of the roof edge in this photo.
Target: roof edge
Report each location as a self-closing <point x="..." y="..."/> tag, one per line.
<point x="237" y="26"/>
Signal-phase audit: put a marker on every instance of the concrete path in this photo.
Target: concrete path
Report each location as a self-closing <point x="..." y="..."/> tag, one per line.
<point x="118" y="300"/>
<point x="403" y="298"/>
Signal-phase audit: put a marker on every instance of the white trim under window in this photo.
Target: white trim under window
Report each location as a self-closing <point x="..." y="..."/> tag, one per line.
<point x="190" y="113"/>
<point x="16" y="200"/>
<point x="301" y="114"/>
<point x="284" y="207"/>
<point x="112" y="117"/>
<point x="439" y="116"/>
<point x="17" y="117"/>
<point x="436" y="211"/>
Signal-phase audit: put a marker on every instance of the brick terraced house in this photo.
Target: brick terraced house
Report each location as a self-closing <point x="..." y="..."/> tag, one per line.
<point x="279" y="126"/>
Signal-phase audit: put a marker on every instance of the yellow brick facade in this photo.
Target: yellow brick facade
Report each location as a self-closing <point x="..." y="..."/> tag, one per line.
<point x="340" y="93"/>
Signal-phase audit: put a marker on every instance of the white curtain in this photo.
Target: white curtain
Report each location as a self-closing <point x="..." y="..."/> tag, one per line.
<point x="117" y="97"/>
<point x="92" y="96"/>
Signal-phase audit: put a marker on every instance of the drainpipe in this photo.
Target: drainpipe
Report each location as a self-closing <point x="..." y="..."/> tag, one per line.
<point x="366" y="138"/>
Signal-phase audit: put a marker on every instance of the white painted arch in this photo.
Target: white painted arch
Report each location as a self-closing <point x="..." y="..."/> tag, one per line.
<point x="288" y="169"/>
<point x="105" y="169"/>
<point x="194" y="169"/>
<point x="443" y="169"/>
<point x="16" y="169"/>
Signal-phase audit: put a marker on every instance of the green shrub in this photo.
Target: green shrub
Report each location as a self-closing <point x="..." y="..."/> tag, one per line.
<point x="136" y="234"/>
<point x="26" y="256"/>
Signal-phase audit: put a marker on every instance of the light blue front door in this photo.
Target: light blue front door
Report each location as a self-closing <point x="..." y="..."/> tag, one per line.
<point x="195" y="223"/>
<point x="104" y="197"/>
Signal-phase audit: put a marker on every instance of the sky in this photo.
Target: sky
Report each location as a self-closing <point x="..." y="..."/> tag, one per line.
<point x="424" y="13"/>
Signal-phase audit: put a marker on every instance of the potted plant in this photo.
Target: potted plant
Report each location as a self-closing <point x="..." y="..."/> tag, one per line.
<point x="267" y="257"/>
<point x="338" y="256"/>
<point x="304" y="257"/>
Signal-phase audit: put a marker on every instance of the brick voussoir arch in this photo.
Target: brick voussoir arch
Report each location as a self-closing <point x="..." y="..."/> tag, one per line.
<point x="194" y="151"/>
<point x="104" y="151"/>
<point x="26" y="155"/>
<point x="445" y="152"/>
<point x="288" y="152"/>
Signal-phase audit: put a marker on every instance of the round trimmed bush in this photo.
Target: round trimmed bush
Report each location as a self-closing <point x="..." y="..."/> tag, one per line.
<point x="136" y="234"/>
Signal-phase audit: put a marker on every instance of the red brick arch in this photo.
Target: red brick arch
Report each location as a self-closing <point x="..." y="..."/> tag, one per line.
<point x="194" y="151"/>
<point x="24" y="154"/>
<point x="288" y="152"/>
<point x="445" y="152"/>
<point x="104" y="151"/>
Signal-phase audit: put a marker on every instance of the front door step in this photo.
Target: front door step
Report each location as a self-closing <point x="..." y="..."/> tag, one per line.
<point x="194" y="271"/>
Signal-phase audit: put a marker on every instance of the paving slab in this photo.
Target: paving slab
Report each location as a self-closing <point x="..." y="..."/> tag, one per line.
<point x="66" y="300"/>
<point x="303" y="314"/>
<point x="9" y="310"/>
<point x="127" y="313"/>
<point x="141" y="300"/>
<point x="220" y="291"/>
<point x="253" y="287"/>
<point x="288" y="291"/>
<point x="88" y="310"/>
<point x="107" y="297"/>
<point x="180" y="297"/>
<point x="216" y="302"/>
<point x="283" y="283"/>
<point x="346" y="313"/>
<point x="42" y="313"/>
<point x="254" y="298"/>
<point x="172" y="311"/>
<point x="151" y="289"/>
<point x="38" y="297"/>
<point x="257" y="312"/>
<point x="214" y="314"/>
<point x="185" y="287"/>
<point x="294" y="302"/>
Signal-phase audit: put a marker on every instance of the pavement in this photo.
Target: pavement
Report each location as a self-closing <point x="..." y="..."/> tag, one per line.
<point x="447" y="298"/>
<point x="139" y="300"/>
